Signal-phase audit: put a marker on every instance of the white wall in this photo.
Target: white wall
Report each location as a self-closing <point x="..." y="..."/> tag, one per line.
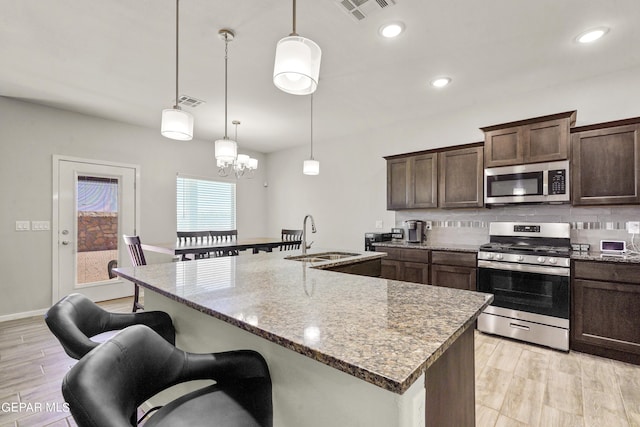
<point x="32" y="134"/>
<point x="349" y="195"/>
<point x="346" y="198"/>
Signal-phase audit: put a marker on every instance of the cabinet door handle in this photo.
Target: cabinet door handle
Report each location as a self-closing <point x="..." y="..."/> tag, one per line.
<point x="515" y="325"/>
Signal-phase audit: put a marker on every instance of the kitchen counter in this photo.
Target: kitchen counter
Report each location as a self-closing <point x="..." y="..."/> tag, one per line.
<point x="382" y="332"/>
<point x="582" y="256"/>
<point x="599" y="256"/>
<point x="434" y="247"/>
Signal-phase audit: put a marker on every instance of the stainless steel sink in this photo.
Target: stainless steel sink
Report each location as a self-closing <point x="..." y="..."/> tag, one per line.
<point x="321" y="257"/>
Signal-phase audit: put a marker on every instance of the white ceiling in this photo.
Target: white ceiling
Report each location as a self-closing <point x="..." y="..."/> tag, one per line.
<point x="115" y="59"/>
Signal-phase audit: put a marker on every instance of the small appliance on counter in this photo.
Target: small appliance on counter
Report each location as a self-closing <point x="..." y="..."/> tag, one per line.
<point x="373" y="237"/>
<point x="397" y="234"/>
<point x="414" y="231"/>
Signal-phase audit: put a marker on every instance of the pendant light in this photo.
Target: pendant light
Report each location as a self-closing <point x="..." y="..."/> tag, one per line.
<point x="177" y="124"/>
<point x="311" y="166"/>
<point x="297" y="64"/>
<point x="226" y="150"/>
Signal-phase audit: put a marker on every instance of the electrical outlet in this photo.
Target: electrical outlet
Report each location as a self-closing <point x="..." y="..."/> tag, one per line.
<point x="428" y="225"/>
<point x="633" y="227"/>
<point x="379" y="223"/>
<point x="23" y="226"/>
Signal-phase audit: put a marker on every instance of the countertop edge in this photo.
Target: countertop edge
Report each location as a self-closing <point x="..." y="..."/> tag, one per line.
<point x="398" y="387"/>
<point x="428" y="246"/>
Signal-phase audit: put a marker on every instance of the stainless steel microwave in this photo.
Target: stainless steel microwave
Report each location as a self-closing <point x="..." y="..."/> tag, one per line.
<point x="533" y="183"/>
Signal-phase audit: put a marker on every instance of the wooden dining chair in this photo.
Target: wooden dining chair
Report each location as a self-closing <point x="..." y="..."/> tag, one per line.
<point x="193" y="237"/>
<point x="224" y="236"/>
<point x="110" y="266"/>
<point x="137" y="259"/>
<point x="292" y="236"/>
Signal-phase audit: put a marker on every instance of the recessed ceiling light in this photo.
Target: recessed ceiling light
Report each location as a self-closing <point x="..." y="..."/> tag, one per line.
<point x="391" y="30"/>
<point x="440" y="81"/>
<point x="592" y="35"/>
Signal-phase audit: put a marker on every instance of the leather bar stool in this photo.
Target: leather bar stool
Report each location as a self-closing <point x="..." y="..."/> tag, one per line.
<point x="75" y="319"/>
<point x="137" y="363"/>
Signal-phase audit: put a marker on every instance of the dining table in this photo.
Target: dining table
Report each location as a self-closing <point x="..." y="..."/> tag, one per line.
<point x="256" y="244"/>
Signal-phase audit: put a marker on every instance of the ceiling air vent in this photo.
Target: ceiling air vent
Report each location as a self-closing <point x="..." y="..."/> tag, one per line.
<point x="361" y="9"/>
<point x="189" y="101"/>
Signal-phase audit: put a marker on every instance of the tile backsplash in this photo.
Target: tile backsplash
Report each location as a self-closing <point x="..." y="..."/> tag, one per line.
<point x="471" y="226"/>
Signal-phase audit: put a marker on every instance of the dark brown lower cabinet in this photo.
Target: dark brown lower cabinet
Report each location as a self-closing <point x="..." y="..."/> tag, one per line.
<point x="453" y="277"/>
<point x="406" y="264"/>
<point x="390" y="269"/>
<point x="454" y="269"/>
<point x="450" y="384"/>
<point x="371" y="268"/>
<point x="605" y="310"/>
<point x="441" y="268"/>
<point x="416" y="272"/>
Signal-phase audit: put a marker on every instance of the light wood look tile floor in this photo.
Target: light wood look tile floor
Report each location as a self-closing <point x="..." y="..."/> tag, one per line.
<point x="517" y="385"/>
<point x="520" y="385"/>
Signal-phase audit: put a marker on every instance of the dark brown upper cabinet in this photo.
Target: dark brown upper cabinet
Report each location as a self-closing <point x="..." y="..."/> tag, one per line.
<point x="460" y="175"/>
<point x="412" y="181"/>
<point x="446" y="178"/>
<point x="541" y="139"/>
<point x="605" y="163"/>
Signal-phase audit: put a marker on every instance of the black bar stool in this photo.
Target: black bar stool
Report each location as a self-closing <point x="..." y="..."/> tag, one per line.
<point x="75" y="319"/>
<point x="137" y="363"/>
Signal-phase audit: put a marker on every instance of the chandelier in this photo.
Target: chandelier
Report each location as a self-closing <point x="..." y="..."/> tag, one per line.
<point x="226" y="150"/>
<point x="242" y="166"/>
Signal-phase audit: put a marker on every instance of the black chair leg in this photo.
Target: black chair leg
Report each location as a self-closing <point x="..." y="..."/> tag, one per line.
<point x="136" y="297"/>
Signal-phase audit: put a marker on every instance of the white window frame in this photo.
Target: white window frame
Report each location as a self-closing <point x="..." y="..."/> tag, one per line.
<point x="204" y="204"/>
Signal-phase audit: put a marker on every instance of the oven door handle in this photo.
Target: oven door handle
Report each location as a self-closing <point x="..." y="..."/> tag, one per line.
<point x="525" y="268"/>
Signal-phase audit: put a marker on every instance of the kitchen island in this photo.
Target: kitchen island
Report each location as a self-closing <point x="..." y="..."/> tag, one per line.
<point x="342" y="349"/>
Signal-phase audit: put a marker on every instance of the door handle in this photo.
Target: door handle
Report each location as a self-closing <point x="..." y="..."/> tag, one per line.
<point x="516" y="326"/>
<point x="65" y="242"/>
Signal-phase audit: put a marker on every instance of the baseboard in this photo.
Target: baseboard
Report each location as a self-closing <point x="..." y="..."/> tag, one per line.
<point x="23" y="315"/>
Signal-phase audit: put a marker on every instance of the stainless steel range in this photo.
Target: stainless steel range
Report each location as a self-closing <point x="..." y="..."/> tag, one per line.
<point x="526" y="267"/>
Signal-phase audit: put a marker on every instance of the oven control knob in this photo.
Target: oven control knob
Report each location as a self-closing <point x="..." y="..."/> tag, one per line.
<point x="540" y="259"/>
<point x="519" y="258"/>
<point x="489" y="256"/>
<point x="552" y="260"/>
<point x="498" y="256"/>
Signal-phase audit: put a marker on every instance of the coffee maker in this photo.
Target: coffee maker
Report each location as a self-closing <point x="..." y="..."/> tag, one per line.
<point x="414" y="231"/>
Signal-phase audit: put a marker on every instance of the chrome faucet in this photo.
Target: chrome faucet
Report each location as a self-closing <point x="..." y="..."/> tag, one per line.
<point x="304" y="233"/>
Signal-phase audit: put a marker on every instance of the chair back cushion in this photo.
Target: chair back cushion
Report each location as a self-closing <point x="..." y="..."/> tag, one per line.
<point x="75" y="319"/>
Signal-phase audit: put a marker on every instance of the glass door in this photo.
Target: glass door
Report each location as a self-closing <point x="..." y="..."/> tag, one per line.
<point x="95" y="204"/>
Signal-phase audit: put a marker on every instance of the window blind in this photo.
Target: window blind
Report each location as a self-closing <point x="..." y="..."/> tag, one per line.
<point x="204" y="204"/>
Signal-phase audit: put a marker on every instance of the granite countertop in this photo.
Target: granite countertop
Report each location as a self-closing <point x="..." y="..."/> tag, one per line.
<point x="434" y="247"/>
<point x="599" y="256"/>
<point x="575" y="255"/>
<point x="385" y="332"/>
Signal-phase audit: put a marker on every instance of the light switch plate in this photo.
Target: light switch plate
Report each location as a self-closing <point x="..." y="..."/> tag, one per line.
<point x="379" y="223"/>
<point x="40" y="225"/>
<point x="23" y="226"/>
